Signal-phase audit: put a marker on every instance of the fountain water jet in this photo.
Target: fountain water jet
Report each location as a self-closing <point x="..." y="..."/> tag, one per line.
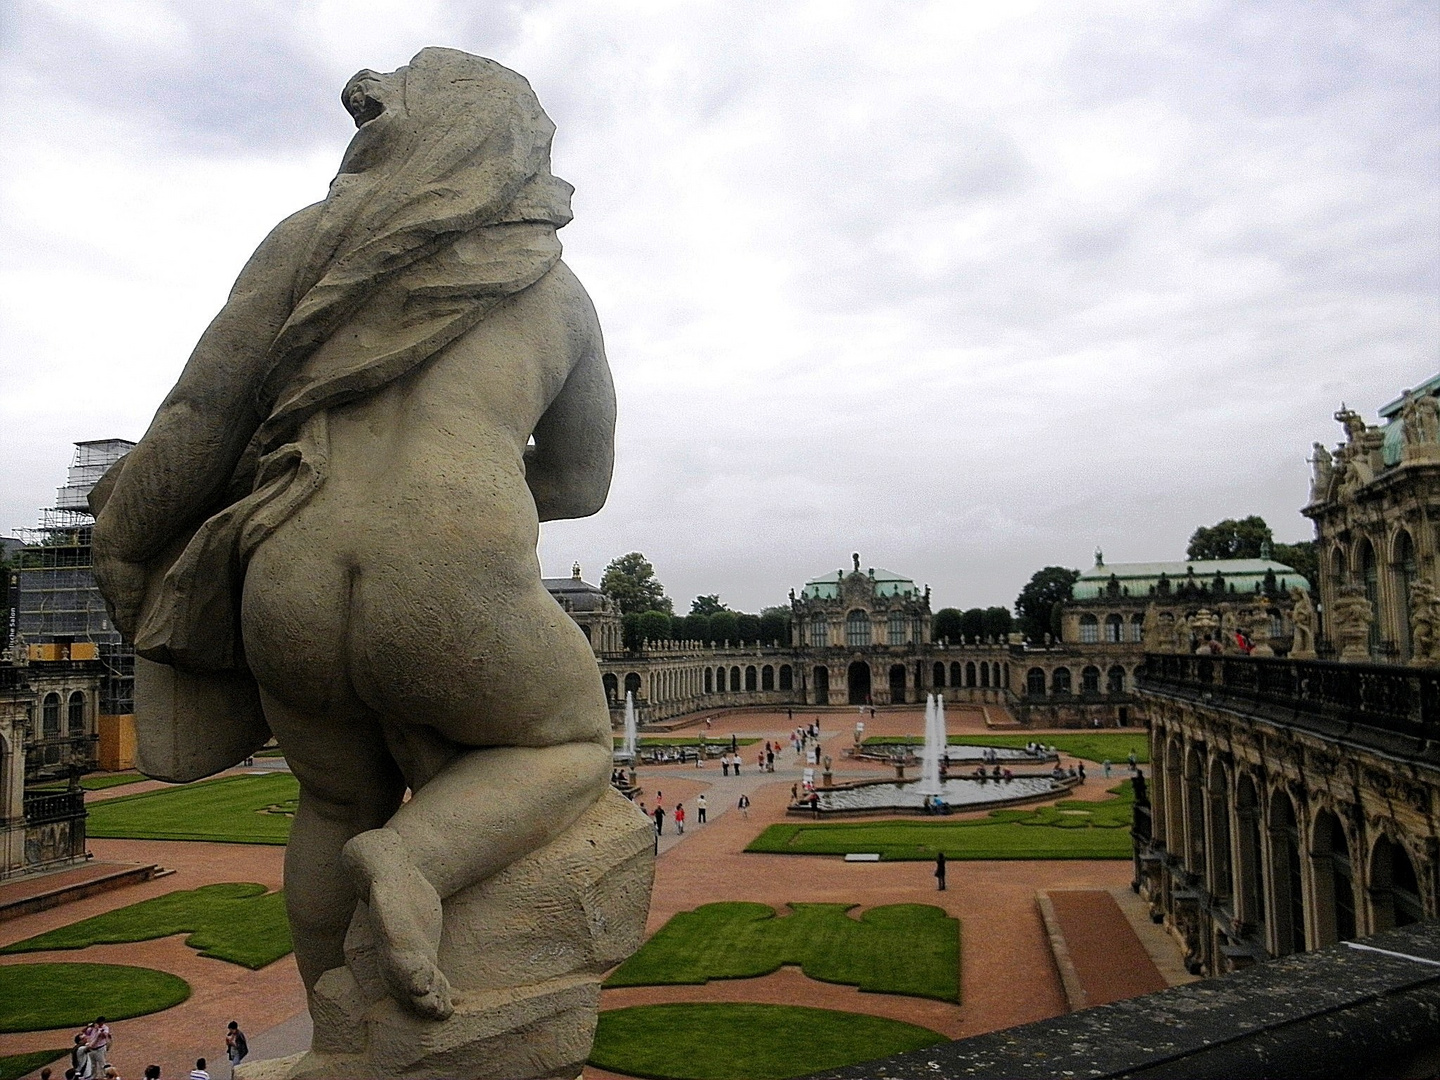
<point x="934" y="746"/>
<point x="631" y="745"/>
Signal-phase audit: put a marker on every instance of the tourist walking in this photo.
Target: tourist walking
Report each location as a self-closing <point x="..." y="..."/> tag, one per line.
<point x="1106" y="766"/>
<point x="80" y="1058"/>
<point x="725" y="763"/>
<point x="744" y="806"/>
<point x="235" y="1046"/>
<point x="659" y="820"/>
<point x="700" y="809"/>
<point x="940" y="872"/>
<point x="680" y="818"/>
<point x="97" y="1038"/>
<point x="198" y="1072"/>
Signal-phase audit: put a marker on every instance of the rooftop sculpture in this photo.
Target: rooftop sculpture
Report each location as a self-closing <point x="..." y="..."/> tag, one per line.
<point x="329" y="532"/>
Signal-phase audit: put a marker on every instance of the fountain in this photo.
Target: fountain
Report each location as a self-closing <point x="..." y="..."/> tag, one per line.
<point x="929" y="783"/>
<point x="630" y="744"/>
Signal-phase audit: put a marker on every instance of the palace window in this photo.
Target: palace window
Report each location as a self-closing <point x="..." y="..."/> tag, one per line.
<point x="896" y="628"/>
<point x="857" y="629"/>
<point x="1089" y="629"/>
<point x="1113" y="626"/>
<point x="50" y="717"/>
<point x="1090" y="679"/>
<point x="1060" y="680"/>
<point x="77" y="714"/>
<point x="819" y="632"/>
<point x="1035" y="682"/>
<point x="1137" y="628"/>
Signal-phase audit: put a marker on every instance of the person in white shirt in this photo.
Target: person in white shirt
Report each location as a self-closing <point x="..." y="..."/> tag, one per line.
<point x="199" y="1073"/>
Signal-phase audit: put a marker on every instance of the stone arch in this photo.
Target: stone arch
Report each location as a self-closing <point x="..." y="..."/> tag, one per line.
<point x="612" y="686"/>
<point x="1334" y="876"/>
<point x="1114" y="628"/>
<point x="1367" y="576"/>
<point x="897" y="684"/>
<point x="709" y="681"/>
<point x="1089" y="629"/>
<point x="957" y="674"/>
<point x="937" y="675"/>
<point x="1035" y="682"/>
<point x="1060" y="680"/>
<point x="1287" y="886"/>
<point x="1339" y="566"/>
<point x="1217" y="804"/>
<point x="1174" y="800"/>
<point x="970" y="679"/>
<point x="1195" y="809"/>
<point x="752" y="677"/>
<point x="633" y="683"/>
<point x="1090" y="679"/>
<point x="857" y="683"/>
<point x="767" y="677"/>
<point x="1250" y="880"/>
<point x="1394" y="887"/>
<point x="1115" y="679"/>
<point x="1404" y="569"/>
<point x="734" y="678"/>
<point x="787" y="677"/>
<point x="984" y="673"/>
<point x="820" y="680"/>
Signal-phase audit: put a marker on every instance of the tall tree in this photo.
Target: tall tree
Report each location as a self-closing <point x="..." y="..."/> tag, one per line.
<point x="775" y="624"/>
<point x="631" y="580"/>
<point x="707" y="605"/>
<point x="1230" y="539"/>
<point x="996" y="623"/>
<point x="724" y="626"/>
<point x="946" y="625"/>
<point x="1302" y="558"/>
<point x="747" y="627"/>
<point x="1035" y="606"/>
<point x="972" y="623"/>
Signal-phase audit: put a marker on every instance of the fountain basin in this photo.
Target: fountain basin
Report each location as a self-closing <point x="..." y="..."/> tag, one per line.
<point x="961" y="793"/>
<point x="958" y="754"/>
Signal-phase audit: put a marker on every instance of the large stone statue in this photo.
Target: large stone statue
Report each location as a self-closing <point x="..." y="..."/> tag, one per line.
<point x="1302" y="618"/>
<point x="1353" y="613"/>
<point x="1322" y="472"/>
<point x="1424" y="623"/>
<point x="329" y="532"/>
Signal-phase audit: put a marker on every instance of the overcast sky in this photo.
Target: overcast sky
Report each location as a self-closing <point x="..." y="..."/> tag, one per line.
<point x="967" y="288"/>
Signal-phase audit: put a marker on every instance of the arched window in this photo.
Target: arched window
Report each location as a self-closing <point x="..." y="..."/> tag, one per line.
<point x="1090" y="679"/>
<point x="1286" y="883"/>
<point x="612" y="686"/>
<point x="77" y="714"/>
<point x="1393" y="886"/>
<point x="970" y="673"/>
<point x="787" y="678"/>
<point x="750" y="677"/>
<point x="1114" y="629"/>
<point x="857" y="629"/>
<point x="767" y="677"/>
<point x="957" y="677"/>
<point x="1137" y="628"/>
<point x="1219" y="806"/>
<point x="50" y="716"/>
<point x="819" y="632"/>
<point x="632" y="684"/>
<point x="1115" y="680"/>
<point x="1370" y="579"/>
<point x="1089" y="629"/>
<point x="1060" y="680"/>
<point x="735" y="678"/>
<point x="897" y="684"/>
<point x="1035" y="682"/>
<point x="709" y="681"/>
<point x="984" y="674"/>
<point x="1249" y="895"/>
<point x="895" y="630"/>
<point x="1194" y="812"/>
<point x="937" y="675"/>
<point x="1405" y="570"/>
<point x="820" y="680"/>
<point x="1334" y="881"/>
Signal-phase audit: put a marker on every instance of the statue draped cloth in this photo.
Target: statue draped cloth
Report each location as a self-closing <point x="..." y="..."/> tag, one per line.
<point x="456" y="211"/>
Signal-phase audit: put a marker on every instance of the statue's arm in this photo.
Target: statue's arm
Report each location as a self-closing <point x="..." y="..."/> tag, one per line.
<point x="569" y="467"/>
<point x="187" y="456"/>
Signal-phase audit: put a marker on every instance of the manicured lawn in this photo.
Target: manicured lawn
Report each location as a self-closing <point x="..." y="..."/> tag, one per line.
<point x="896" y="949"/>
<point x="1096" y="747"/>
<point x="15" y="1066"/>
<point x="237" y="922"/>
<point x="97" y="783"/>
<point x="235" y="809"/>
<point x="1067" y="830"/>
<point x="39" y="997"/>
<point x="745" y="1042"/>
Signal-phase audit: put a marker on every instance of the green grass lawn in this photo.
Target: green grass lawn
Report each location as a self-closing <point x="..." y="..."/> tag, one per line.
<point x="234" y="809"/>
<point x="1115" y="745"/>
<point x="96" y="783"/>
<point x="14" y="1066"/>
<point x="1071" y="829"/>
<point x="745" y="1042"/>
<point x="896" y="949"/>
<point x="39" y="997"/>
<point x="237" y="922"/>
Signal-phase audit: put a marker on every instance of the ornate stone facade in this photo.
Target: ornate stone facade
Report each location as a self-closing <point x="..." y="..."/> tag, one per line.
<point x="1375" y="502"/>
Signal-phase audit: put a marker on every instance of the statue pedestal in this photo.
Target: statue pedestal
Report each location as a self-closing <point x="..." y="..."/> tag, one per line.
<point x="524" y="952"/>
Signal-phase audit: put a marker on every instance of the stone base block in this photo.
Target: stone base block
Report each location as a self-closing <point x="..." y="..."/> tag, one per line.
<point x="524" y="952"/>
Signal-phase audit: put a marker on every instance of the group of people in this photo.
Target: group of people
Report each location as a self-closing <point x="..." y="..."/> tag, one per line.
<point x="89" y="1057"/>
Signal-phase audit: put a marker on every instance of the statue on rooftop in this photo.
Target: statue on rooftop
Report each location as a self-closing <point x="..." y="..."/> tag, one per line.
<point x="1323" y="466"/>
<point x="1302" y="618"/>
<point x="329" y="532"/>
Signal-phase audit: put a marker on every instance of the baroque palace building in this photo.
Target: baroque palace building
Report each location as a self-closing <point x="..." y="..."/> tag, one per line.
<point x="1295" y="799"/>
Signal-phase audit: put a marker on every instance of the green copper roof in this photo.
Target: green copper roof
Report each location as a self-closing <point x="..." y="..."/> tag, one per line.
<point x="887" y="583"/>
<point x="1136" y="579"/>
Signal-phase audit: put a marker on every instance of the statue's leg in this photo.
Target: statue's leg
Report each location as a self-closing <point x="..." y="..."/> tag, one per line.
<point x="478" y="814"/>
<point x="348" y="784"/>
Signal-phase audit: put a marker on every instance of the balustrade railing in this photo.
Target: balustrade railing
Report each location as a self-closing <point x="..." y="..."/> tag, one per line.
<point x="48" y="806"/>
<point x="1396" y="701"/>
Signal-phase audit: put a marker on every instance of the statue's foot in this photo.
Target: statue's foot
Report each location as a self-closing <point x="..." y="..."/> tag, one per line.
<point x="407" y="917"/>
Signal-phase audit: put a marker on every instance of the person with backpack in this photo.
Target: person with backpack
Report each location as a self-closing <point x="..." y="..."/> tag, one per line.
<point x="235" y="1046"/>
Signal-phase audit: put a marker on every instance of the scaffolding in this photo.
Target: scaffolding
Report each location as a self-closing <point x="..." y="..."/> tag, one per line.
<point x="57" y="602"/>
